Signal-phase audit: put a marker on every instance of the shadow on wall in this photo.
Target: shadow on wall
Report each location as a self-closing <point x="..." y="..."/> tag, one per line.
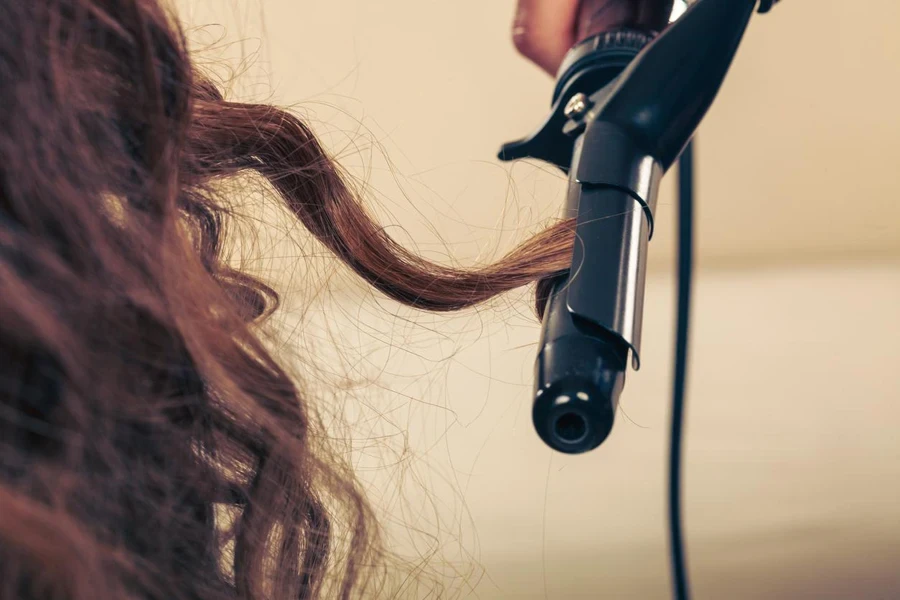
<point x="792" y="454"/>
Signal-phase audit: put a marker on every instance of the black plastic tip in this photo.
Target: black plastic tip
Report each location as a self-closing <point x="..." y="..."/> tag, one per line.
<point x="573" y="416"/>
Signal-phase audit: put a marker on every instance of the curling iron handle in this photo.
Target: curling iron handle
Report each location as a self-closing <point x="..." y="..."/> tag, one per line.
<point x="600" y="16"/>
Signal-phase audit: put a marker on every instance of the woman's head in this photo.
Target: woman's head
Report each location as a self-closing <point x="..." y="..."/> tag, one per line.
<point x="150" y="444"/>
<point x="135" y="396"/>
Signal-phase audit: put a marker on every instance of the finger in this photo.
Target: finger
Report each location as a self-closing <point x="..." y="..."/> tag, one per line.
<point x="544" y="30"/>
<point x="597" y="16"/>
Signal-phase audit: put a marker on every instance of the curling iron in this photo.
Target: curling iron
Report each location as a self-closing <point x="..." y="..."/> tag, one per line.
<point x="625" y="105"/>
<point x="625" y="108"/>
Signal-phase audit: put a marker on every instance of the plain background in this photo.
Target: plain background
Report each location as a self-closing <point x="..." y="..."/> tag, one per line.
<point x="793" y="451"/>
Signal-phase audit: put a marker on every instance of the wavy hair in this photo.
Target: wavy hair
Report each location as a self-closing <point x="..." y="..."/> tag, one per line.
<point x="136" y="393"/>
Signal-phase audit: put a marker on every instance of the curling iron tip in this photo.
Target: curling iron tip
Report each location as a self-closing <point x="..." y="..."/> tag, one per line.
<point x="573" y="416"/>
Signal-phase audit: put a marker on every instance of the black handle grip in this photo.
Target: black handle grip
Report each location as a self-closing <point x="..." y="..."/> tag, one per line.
<point x="662" y="96"/>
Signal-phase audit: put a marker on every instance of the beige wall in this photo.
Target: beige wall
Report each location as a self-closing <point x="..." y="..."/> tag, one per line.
<point x="797" y="158"/>
<point x="793" y="456"/>
<point x="792" y="452"/>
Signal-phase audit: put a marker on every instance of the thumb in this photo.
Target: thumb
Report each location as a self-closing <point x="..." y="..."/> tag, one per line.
<point x="544" y="30"/>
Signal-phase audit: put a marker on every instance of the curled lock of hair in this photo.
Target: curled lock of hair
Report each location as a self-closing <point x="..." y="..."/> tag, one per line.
<point x="135" y="394"/>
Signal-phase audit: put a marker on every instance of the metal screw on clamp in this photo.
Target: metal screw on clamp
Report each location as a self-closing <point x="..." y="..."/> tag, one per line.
<point x="577" y="106"/>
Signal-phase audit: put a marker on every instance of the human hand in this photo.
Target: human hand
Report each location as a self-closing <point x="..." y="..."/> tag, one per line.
<point x="544" y="30"/>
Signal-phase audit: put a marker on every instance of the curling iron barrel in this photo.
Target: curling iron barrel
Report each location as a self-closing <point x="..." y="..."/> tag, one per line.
<point x="580" y="369"/>
<point x="624" y="107"/>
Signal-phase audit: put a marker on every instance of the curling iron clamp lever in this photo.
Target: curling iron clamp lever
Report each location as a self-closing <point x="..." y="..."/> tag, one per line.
<point x="587" y="69"/>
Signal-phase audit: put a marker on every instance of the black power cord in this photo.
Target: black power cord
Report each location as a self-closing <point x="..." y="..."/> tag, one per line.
<point x="680" y="582"/>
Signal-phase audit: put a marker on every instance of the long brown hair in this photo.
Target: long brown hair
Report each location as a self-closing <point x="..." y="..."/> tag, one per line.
<point x="136" y="394"/>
